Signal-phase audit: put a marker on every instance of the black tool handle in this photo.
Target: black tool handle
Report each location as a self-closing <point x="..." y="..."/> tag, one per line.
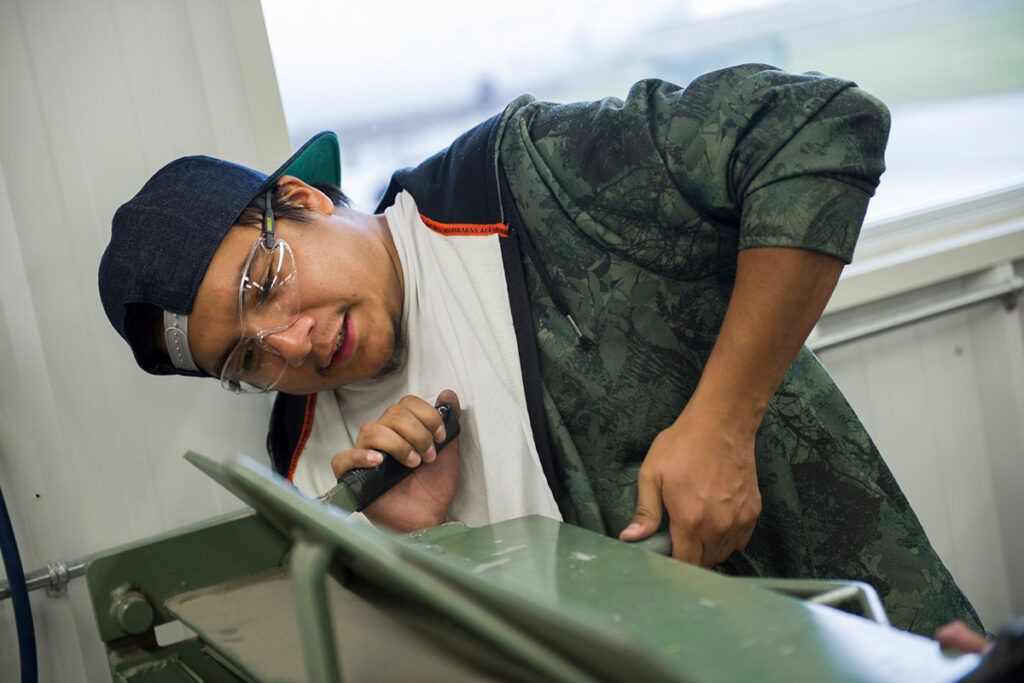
<point x="370" y="483"/>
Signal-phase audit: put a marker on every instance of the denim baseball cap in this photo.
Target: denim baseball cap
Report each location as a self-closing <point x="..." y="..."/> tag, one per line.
<point x="163" y="238"/>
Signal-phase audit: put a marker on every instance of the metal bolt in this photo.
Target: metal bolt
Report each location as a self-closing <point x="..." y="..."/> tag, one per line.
<point x="133" y="613"/>
<point x="59" y="577"/>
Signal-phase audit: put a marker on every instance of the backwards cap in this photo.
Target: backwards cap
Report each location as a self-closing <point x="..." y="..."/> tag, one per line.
<point x="163" y="238"/>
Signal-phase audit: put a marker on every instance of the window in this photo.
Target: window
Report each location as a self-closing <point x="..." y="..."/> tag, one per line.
<point x="399" y="80"/>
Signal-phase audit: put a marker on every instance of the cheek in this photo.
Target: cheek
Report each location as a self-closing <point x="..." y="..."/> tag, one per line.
<point x="209" y="341"/>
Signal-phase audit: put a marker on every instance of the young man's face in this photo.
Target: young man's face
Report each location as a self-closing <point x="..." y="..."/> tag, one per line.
<point x="350" y="300"/>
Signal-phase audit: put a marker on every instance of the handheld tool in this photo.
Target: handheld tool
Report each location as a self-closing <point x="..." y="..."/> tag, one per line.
<point x="359" y="487"/>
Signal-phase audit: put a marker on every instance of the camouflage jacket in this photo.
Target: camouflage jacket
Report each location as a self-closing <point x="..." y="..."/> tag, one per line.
<point x="628" y="215"/>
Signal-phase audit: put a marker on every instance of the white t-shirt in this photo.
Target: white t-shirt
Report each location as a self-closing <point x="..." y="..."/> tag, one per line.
<point x="459" y="336"/>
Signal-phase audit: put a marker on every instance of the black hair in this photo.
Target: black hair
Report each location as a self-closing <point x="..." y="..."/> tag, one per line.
<point x="143" y="323"/>
<point x="252" y="215"/>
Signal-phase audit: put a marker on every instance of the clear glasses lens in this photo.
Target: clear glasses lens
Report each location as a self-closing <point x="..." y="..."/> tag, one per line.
<point x="268" y="302"/>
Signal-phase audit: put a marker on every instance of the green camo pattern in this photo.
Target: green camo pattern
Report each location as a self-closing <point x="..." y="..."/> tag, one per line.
<point x="638" y="209"/>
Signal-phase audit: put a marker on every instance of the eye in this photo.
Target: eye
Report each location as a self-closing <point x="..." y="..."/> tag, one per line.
<point x="268" y="282"/>
<point x="248" y="354"/>
<point x="257" y="285"/>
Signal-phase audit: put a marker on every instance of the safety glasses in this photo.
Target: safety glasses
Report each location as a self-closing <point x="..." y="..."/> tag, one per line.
<point x="268" y="301"/>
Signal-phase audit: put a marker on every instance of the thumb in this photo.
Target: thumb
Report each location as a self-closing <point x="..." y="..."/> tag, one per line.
<point x="449" y="396"/>
<point x="357" y="457"/>
<point x="647" y="516"/>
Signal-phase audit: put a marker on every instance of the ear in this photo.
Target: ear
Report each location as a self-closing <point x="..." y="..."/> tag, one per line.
<point x="306" y="195"/>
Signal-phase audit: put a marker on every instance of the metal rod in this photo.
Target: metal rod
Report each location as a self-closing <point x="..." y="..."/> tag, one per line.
<point x="836" y="596"/>
<point x="830" y="593"/>
<point x="54" y="578"/>
<point x="1010" y="289"/>
<point x="309" y="572"/>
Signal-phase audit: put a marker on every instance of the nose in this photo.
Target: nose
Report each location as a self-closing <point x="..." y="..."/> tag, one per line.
<point x="293" y="342"/>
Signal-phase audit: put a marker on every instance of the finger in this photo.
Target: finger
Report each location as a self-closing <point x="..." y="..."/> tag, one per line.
<point x="427" y="415"/>
<point x="716" y="547"/>
<point x="685" y="546"/>
<point x="957" y="635"/>
<point x="647" y="515"/>
<point x="450" y="397"/>
<point x="390" y="437"/>
<point x="686" y="519"/>
<point x="684" y="522"/>
<point x="719" y="545"/>
<point x="416" y="421"/>
<point x="357" y="457"/>
<point x="710" y="557"/>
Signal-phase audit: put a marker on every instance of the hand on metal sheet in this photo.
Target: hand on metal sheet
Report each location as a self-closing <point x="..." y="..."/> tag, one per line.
<point x="703" y="474"/>
<point x="407" y="431"/>
<point x="957" y="635"/>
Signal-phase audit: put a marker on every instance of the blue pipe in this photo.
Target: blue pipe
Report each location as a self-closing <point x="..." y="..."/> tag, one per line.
<point x="19" y="597"/>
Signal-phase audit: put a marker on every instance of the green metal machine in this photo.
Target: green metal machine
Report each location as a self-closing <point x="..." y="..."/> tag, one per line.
<point x="298" y="590"/>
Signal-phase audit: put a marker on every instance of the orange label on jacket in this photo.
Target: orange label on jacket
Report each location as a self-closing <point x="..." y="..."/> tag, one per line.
<point x="450" y="229"/>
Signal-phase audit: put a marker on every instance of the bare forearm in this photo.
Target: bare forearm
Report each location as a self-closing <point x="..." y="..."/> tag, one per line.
<point x="778" y="296"/>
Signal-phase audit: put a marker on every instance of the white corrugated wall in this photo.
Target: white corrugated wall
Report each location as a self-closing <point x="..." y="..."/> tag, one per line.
<point x="96" y="96"/>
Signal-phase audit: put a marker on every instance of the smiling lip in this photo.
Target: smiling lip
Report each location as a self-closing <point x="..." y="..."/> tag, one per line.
<point x="348" y="346"/>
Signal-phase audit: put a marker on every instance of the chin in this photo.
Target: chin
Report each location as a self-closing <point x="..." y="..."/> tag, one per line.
<point x="297" y="391"/>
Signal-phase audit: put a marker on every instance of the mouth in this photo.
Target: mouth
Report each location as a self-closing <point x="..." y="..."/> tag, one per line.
<point x="345" y="343"/>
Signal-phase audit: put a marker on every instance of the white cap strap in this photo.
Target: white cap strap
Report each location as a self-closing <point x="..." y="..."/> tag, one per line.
<point x="176" y="335"/>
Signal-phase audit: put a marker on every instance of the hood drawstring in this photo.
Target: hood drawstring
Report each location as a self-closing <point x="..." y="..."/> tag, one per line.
<point x="511" y="218"/>
<point x="526" y="245"/>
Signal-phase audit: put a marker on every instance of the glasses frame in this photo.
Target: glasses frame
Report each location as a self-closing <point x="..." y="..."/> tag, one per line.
<point x="269" y="242"/>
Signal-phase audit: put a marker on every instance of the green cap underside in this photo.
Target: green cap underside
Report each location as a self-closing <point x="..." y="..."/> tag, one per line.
<point x="318" y="161"/>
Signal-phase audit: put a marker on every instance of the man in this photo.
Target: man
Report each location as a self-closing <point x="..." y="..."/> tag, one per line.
<point x="615" y="293"/>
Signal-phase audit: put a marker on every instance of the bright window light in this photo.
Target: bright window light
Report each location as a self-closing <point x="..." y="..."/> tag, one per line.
<point x="399" y="80"/>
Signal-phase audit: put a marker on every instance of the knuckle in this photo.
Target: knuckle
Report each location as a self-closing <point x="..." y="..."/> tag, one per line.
<point x="643" y="512"/>
<point x="409" y="401"/>
<point x="365" y="430"/>
<point x="750" y="513"/>
<point x="723" y="519"/>
<point x="720" y="526"/>
<point x="692" y="516"/>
